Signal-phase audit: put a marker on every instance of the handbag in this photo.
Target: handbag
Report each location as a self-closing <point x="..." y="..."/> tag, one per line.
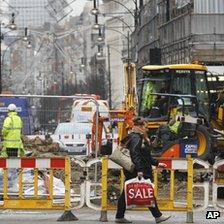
<point x="121" y="156"/>
<point x="139" y="192"/>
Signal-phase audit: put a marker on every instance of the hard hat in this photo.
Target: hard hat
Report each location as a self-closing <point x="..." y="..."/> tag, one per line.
<point x="11" y="107"/>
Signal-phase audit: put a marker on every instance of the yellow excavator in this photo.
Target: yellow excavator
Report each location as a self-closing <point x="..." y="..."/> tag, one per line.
<point x="179" y="91"/>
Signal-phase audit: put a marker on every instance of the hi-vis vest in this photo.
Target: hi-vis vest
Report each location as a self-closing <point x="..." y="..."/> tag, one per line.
<point x="11" y="131"/>
<point x="148" y="99"/>
<point x="174" y="128"/>
<point x="176" y="124"/>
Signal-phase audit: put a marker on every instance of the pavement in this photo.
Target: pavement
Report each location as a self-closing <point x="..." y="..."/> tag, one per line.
<point x="88" y="216"/>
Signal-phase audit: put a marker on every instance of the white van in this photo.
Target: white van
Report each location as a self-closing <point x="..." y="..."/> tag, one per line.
<point x="83" y="110"/>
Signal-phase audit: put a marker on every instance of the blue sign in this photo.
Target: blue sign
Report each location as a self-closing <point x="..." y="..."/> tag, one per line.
<point x="188" y="146"/>
<point x="23" y="110"/>
<point x="20" y="102"/>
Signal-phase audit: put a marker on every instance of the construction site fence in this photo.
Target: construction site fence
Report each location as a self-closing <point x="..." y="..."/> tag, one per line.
<point x="42" y="113"/>
<point x="93" y="189"/>
<point x="165" y="203"/>
<point x="199" y="175"/>
<point x="36" y="198"/>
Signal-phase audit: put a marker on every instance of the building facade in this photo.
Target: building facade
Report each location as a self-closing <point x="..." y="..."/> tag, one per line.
<point x="180" y="31"/>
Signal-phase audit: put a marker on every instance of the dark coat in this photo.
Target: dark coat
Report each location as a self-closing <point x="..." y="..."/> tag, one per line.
<point x="140" y="155"/>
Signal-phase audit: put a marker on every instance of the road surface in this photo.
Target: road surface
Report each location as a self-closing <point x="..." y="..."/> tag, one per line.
<point x="88" y="216"/>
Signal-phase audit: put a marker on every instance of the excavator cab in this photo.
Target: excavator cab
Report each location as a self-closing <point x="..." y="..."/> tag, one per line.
<point x="160" y="89"/>
<point x="185" y="79"/>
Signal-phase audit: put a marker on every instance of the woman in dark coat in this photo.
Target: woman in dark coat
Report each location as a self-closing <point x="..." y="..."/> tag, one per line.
<point x="138" y="144"/>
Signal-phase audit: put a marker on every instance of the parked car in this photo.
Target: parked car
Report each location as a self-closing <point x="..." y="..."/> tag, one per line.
<point x="73" y="137"/>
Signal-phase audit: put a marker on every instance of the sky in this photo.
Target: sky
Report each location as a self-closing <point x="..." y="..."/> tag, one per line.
<point x="77" y="7"/>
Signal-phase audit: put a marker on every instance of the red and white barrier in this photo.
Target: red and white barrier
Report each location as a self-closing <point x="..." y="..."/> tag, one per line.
<point x="41" y="163"/>
<point x="175" y="164"/>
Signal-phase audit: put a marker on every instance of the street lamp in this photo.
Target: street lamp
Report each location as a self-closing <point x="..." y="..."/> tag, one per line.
<point x="100" y="37"/>
<point x="135" y="15"/>
<point x="96" y="25"/>
<point x="29" y="45"/>
<point x="109" y="77"/>
<point x="95" y="10"/>
<point x="25" y="38"/>
<point x="83" y="62"/>
<point x="12" y="24"/>
<point x="99" y="52"/>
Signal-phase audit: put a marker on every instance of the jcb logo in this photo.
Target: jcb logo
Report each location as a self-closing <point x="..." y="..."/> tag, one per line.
<point x="212" y="214"/>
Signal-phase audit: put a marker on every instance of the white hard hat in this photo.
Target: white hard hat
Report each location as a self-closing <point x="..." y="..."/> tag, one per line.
<point x="11" y="107"/>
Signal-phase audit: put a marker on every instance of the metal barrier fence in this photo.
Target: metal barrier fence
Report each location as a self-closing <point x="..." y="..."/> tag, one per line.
<point x="43" y="114"/>
<point x="196" y="192"/>
<point x="34" y="200"/>
<point x="40" y="114"/>
<point x="95" y="184"/>
<point x="218" y="182"/>
<point x="167" y="204"/>
<point x="200" y="168"/>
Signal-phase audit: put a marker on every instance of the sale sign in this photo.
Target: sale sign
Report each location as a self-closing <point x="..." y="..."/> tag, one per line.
<point x="139" y="192"/>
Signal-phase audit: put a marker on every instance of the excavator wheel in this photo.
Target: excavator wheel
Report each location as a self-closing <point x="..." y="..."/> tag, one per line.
<point x="204" y="144"/>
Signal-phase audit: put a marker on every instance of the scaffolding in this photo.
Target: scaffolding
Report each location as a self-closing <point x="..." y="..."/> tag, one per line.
<point x="184" y="30"/>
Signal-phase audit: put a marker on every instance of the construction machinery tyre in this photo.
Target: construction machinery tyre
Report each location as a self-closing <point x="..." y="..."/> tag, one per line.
<point x="204" y="144"/>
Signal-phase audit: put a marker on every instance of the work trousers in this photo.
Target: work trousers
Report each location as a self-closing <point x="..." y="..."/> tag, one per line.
<point x="121" y="207"/>
<point x="12" y="152"/>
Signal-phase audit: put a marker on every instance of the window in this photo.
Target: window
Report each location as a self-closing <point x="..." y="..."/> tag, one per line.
<point x="153" y="82"/>
<point x="202" y="92"/>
